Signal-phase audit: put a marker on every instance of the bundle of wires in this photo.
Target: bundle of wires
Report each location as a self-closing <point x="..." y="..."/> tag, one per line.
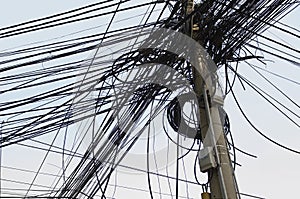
<point x="85" y="115"/>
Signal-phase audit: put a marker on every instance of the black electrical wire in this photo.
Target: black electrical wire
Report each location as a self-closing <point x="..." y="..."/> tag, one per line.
<point x="51" y="117"/>
<point x="258" y="131"/>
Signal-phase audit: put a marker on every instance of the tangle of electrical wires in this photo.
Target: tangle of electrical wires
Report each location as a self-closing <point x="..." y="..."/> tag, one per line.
<point x="86" y="115"/>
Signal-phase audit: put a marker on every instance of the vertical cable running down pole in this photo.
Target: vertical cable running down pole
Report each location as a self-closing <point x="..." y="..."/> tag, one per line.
<point x="214" y="143"/>
<point x="222" y="185"/>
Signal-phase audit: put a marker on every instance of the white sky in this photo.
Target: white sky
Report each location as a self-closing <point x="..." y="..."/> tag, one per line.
<point x="275" y="174"/>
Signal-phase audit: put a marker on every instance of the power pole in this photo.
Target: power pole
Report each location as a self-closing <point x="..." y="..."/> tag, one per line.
<point x="215" y="155"/>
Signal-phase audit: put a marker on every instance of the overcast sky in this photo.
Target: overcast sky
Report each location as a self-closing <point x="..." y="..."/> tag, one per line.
<point x="275" y="173"/>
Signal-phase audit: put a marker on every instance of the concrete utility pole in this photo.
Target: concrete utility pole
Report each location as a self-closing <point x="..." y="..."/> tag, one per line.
<point x="215" y="154"/>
